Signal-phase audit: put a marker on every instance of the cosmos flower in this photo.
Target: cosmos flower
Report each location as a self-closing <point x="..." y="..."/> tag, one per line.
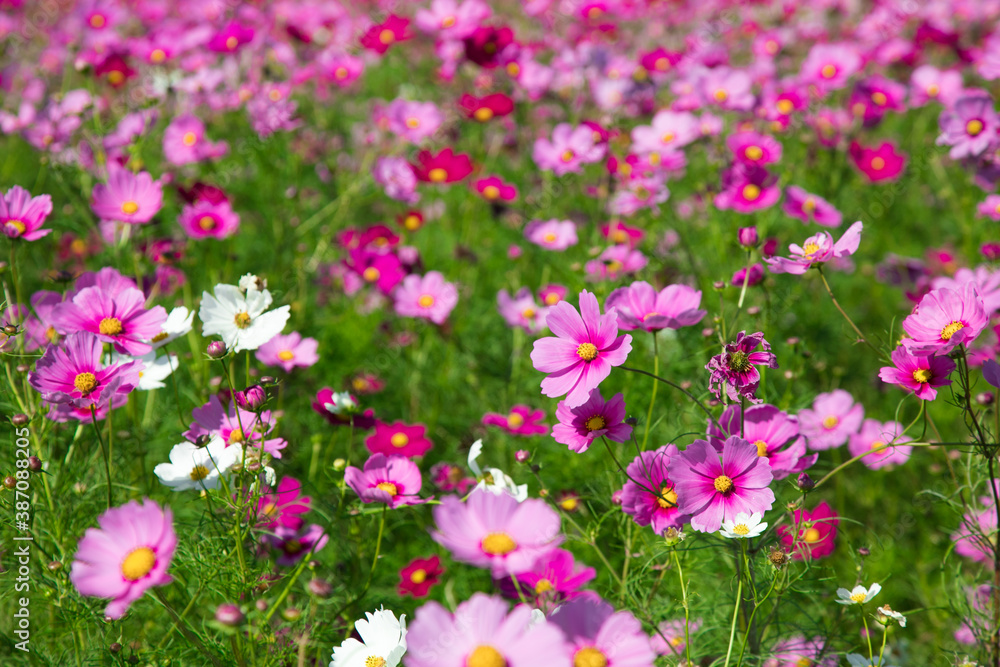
<point x="579" y="426"/>
<point x="640" y="306"/>
<point x="969" y="125"/>
<point x="734" y="370"/>
<point x="443" y="167"/>
<point x="598" y="635"/>
<point x="242" y="320"/>
<point x="127" y="197"/>
<point x="193" y="467"/>
<point x="834" y="416"/>
<point x="22" y="215"/>
<point x="553" y="579"/>
<point x="650" y="496"/>
<point x="75" y="373"/>
<point x="817" y="249"/>
<point x="383" y="642"/>
<point x="419" y="576"/>
<point x="283" y="506"/>
<point x="205" y="219"/>
<point x="399" y="438"/>
<point x="184" y="142"/>
<point x="743" y="526"/>
<point x="816" y="534"/>
<point x="858" y="595"/>
<point x="288" y="351"/>
<point x="886" y="439"/>
<point x="568" y="150"/>
<point x="944" y="319"/>
<point x="393" y="480"/>
<point x="883" y="163"/>
<point x="428" y="297"/>
<point x="118" y="318"/>
<point x="521" y="420"/>
<point x="807" y="207"/>
<point x="774" y="433"/>
<point x="381" y="36"/>
<point x="551" y="234"/>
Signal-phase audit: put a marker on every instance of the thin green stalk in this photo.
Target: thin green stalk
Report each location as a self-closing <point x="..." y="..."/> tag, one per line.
<point x="652" y="398"/>
<point x="854" y="326"/>
<point x="757" y="605"/>
<point x="736" y="614"/>
<point x="684" y="603"/>
<point x="881" y="651"/>
<point x="185" y="628"/>
<point x="868" y="635"/>
<point x="874" y="451"/>
<point x="104" y="452"/>
<point x="678" y="388"/>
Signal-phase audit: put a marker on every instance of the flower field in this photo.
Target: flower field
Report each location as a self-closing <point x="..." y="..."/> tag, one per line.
<point x="481" y="333"/>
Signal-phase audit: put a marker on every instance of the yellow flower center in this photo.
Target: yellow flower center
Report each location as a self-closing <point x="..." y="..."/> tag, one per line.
<point x="877" y="445"/>
<point x="723" y="484"/>
<point x="720" y="95"/>
<point x="485" y="656"/>
<point x="447" y="21"/>
<point x="388" y="487"/>
<point x="16" y="225"/>
<point x="199" y="473"/>
<point x="922" y="375"/>
<point x="878" y="164"/>
<point x="812" y="535"/>
<point x="513" y="69"/>
<point x="830" y="422"/>
<point x="550" y="238"/>
<point x="206" y="222"/>
<point x="286" y="355"/>
<point x="543" y="586"/>
<point x="97" y="21"/>
<point x="274" y="95"/>
<point x="498" y="544"/>
<point x="387" y="36"/>
<point x="235" y="436"/>
<point x="761" y="447"/>
<point x="160" y="336"/>
<point x="569" y="504"/>
<point x="189" y="138"/>
<point x="437" y="175"/>
<point x="232" y="43"/>
<point x="371" y="274"/>
<point x="85" y="383"/>
<point x="411" y="222"/>
<point x="116" y="77"/>
<point x="741" y="529"/>
<point x="483" y="114"/>
<point x="130" y="207"/>
<point x="567" y="156"/>
<point x="269" y="509"/>
<point x="810" y="249"/>
<point x="667" y="137"/>
<point x="803" y="662"/>
<point x="425" y="301"/>
<point x="514" y="420"/>
<point x="809" y="205"/>
<point x="753" y="152"/>
<point x="491" y="192"/>
<point x="587" y="351"/>
<point x="879" y="98"/>
<point x="974" y="127"/>
<point x="242" y="320"/>
<point x="551" y="299"/>
<point x="951" y="329"/>
<point x="595" y="423"/>
<point x="751" y="192"/>
<point x="528" y="313"/>
<point x="399" y="440"/>
<point x="589" y="657"/>
<point x="858" y="597"/>
<point x="668" y="498"/>
<point x="418" y="576"/>
<point x="340" y="72"/>
<point x="110" y="326"/>
<point x="828" y="71"/>
<point x="785" y="107"/>
<point x="374" y="661"/>
<point x="412" y="123"/>
<point x="138" y="563"/>
<point x="157" y="56"/>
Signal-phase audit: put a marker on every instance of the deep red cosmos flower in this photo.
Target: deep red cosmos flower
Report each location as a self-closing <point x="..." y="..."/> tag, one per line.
<point x="485" y="108"/>
<point x="445" y="167"/>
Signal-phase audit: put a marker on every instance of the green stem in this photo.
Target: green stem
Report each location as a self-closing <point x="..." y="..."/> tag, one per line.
<point x="104" y="452"/>
<point x="875" y="451"/>
<point x="868" y="635"/>
<point x="652" y="398"/>
<point x="678" y="388"/>
<point x="185" y="629"/>
<point x="829" y="291"/>
<point x="736" y="614"/>
<point x="684" y="603"/>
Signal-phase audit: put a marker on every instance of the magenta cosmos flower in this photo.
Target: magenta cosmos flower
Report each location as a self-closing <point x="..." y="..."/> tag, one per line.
<point x="734" y="370"/>
<point x="598" y="635"/>
<point x="521" y="310"/>
<point x="206" y="219"/>
<point x="74" y="373"/>
<point x="292" y="545"/>
<point x="482" y="634"/>
<point x="579" y="426"/>
<point x="127" y="197"/>
<point x="807" y="207"/>
<point x="495" y="531"/>
<point x="883" y="163"/>
<point x="429" y="297"/>
<point x="120" y="319"/>
<point x="129" y="554"/>
<point x="22" y="215"/>
<point x="585" y="347"/>
<point x="640" y="306"/>
<point x="235" y="426"/>
<point x="747" y="189"/>
<point x="553" y="579"/>
<point x="831" y="420"/>
<point x="184" y="142"/>
<point x="568" y="150"/>
<point x="289" y="351"/>
<point x="921" y="375"/>
<point x="615" y="262"/>
<point x="969" y="126"/>
<point x="521" y="420"/>
<point x="774" y="433"/>
<point x="817" y="249"/>
<point x="551" y="234"/>
<point x="419" y="576"/>
<point x="399" y="438"/>
<point x="393" y="480"/>
<point x="943" y="319"/>
<point x="649" y="496"/>
<point x="829" y="66"/>
<point x="713" y="488"/>
<point x="283" y="506"/>
<point x="753" y="148"/>
<point x="812" y="534"/>
<point x="884" y="440"/>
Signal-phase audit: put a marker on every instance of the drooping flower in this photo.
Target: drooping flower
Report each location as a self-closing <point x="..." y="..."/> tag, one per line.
<point x="734" y="370"/>
<point x="944" y="319"/>
<point x="495" y="531"/>
<point x="288" y="351"/>
<point x="579" y="426"/>
<point x="521" y="420"/>
<point x="419" y="576"/>
<point x="118" y="318"/>
<point x="650" y="496"/>
<point x="75" y="373"/>
<point x="428" y="297"/>
<point x="812" y="534"/>
<point x="580" y="356"/>
<point x="743" y="526"/>
<point x="399" y="438"/>
<point x="383" y="642"/>
<point x="807" y="207"/>
<point x="598" y="635"/>
<point x="817" y="249"/>
<point x="858" y="595"/>
<point x="193" y="467"/>
<point x="774" y="433"/>
<point x="713" y="488"/>
<point x="393" y="480"/>
<point x="553" y="579"/>
<point x="241" y="319"/>
<point x="129" y="554"/>
<point x="884" y="440"/>
<point x="127" y="197"/>
<point x="834" y="416"/>
<point x="640" y="306"/>
<point x="22" y="215"/>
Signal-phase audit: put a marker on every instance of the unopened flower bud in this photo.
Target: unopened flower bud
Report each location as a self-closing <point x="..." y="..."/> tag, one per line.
<point x="718" y="285"/>
<point x="269" y="381"/>
<point x="115" y="648"/>
<point x="672" y="536"/>
<point x="23" y="368"/>
<point x="616" y="497"/>
<point x="202" y="440"/>
<point x="252" y="398"/>
<point x="747" y="237"/>
<point x="985" y="398"/>
<point x="216" y="349"/>
<point x="805" y="482"/>
<point x="770" y="247"/>
<point x="34" y="463"/>
<point x="229" y="614"/>
<point x="522" y="455"/>
<point x="9" y="482"/>
<point x="20" y="419"/>
<point x="631" y="421"/>
<point x="291" y="614"/>
<point x="339" y="464"/>
<point x="261" y="605"/>
<point x="321" y="588"/>
<point x="864" y="552"/>
<point x="10" y="330"/>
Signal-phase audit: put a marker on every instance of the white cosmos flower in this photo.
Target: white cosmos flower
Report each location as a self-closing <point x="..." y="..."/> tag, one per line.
<point x="383" y="642"/>
<point x="240" y="318"/>
<point x="249" y="281"/>
<point x="157" y="369"/>
<point x="494" y="480"/>
<point x="341" y="403"/>
<point x="858" y="595"/>
<point x="193" y="467"/>
<point x="179" y="323"/>
<point x="744" y="525"/>
<point x="885" y="614"/>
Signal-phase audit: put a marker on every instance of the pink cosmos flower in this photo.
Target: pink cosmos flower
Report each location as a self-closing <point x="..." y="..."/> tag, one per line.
<point x="989" y="208"/>
<point x="399" y="438"/>
<point x="553" y="579"/>
<point x="449" y="477"/>
<point x="833" y="418"/>
<point x="384" y="270"/>
<point x="598" y="635"/>
<point x="450" y="20"/>
<point x="393" y="480"/>
<point x="230" y="38"/>
<point x="552" y="294"/>
<point x="292" y="545"/>
<point x="40" y="331"/>
<point x="886" y="438"/>
<point x="22" y="215"/>
<point x="921" y="375"/>
<point x="568" y="150"/>
<point x="235" y="427"/>
<point x="579" y="426"/>
<point x="429" y="297"/>
<point x="734" y="370"/>
<point x="872" y="98"/>
<point x="969" y="126"/>
<point x="127" y="197"/>
<point x="671" y="636"/>
<point x="753" y="148"/>
<point x="727" y="88"/>
<point x="619" y="233"/>
<point x="816" y="533"/>
<point x="184" y="142"/>
<point x="397" y="178"/>
<point x="817" y="249"/>
<point x="493" y="189"/>
<point x="974" y="539"/>
<point x="774" y="433"/>
<point x="120" y="319"/>
<point x="521" y="310"/>
<point x="640" y="306"/>
<point x="289" y="351"/>
<point x="928" y="83"/>
<point x="807" y="207"/>
<point x="829" y="66"/>
<point x="521" y="420"/>
<point x="652" y="499"/>
<point x="668" y="131"/>
<point x="746" y="189"/>
<point x="713" y="489"/>
<point x="615" y="262"/>
<point x="381" y="36"/>
<point x="204" y="219"/>
<point x="756" y="276"/>
<point x="797" y="650"/>
<point x="129" y="554"/>
<point x="74" y="373"/>
<point x="482" y="633"/>
<point x="495" y="531"/>
<point x="551" y="234"/>
<point x="884" y="163"/>
<point x="943" y="319"/>
<point x="580" y="356"/>
<point x="283" y="506"/>
<point x="414" y="121"/>
<point x="985" y="280"/>
<point x="65" y="412"/>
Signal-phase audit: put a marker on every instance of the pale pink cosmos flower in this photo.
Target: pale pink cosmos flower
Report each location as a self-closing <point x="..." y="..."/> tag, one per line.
<point x="886" y="439"/>
<point x="235" y="426"/>
<point x="989" y="208"/>
<point x="393" y="480"/>
<point x="184" y="142"/>
<point x="640" y="306"/>
<point x="986" y="282"/>
<point x="929" y="84"/>
<point x="833" y="418"/>
<point x="580" y="355"/>
<point x="579" y="426"/>
<point x="615" y="262"/>
<point x="396" y="177"/>
<point x="829" y="66"/>
<point x="727" y="88"/>
<point x="207" y="219"/>
<point x="668" y="131"/>
<point x="289" y="351"/>
<point x="120" y="319"/>
<point x="521" y="420"/>
<point x="414" y="121"/>
<point x="551" y="234"/>
<point x="807" y="207"/>
<point x="568" y="150"/>
<point x="127" y="197"/>
<point x="450" y="20"/>
<point x="817" y="249"/>
<point x="944" y="319"/>
<point x="598" y="635"/>
<point x="521" y="310"/>
<point x="429" y="297"/>
<point x="969" y="126"/>
<point x="22" y="215"/>
<point x="921" y="375"/>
